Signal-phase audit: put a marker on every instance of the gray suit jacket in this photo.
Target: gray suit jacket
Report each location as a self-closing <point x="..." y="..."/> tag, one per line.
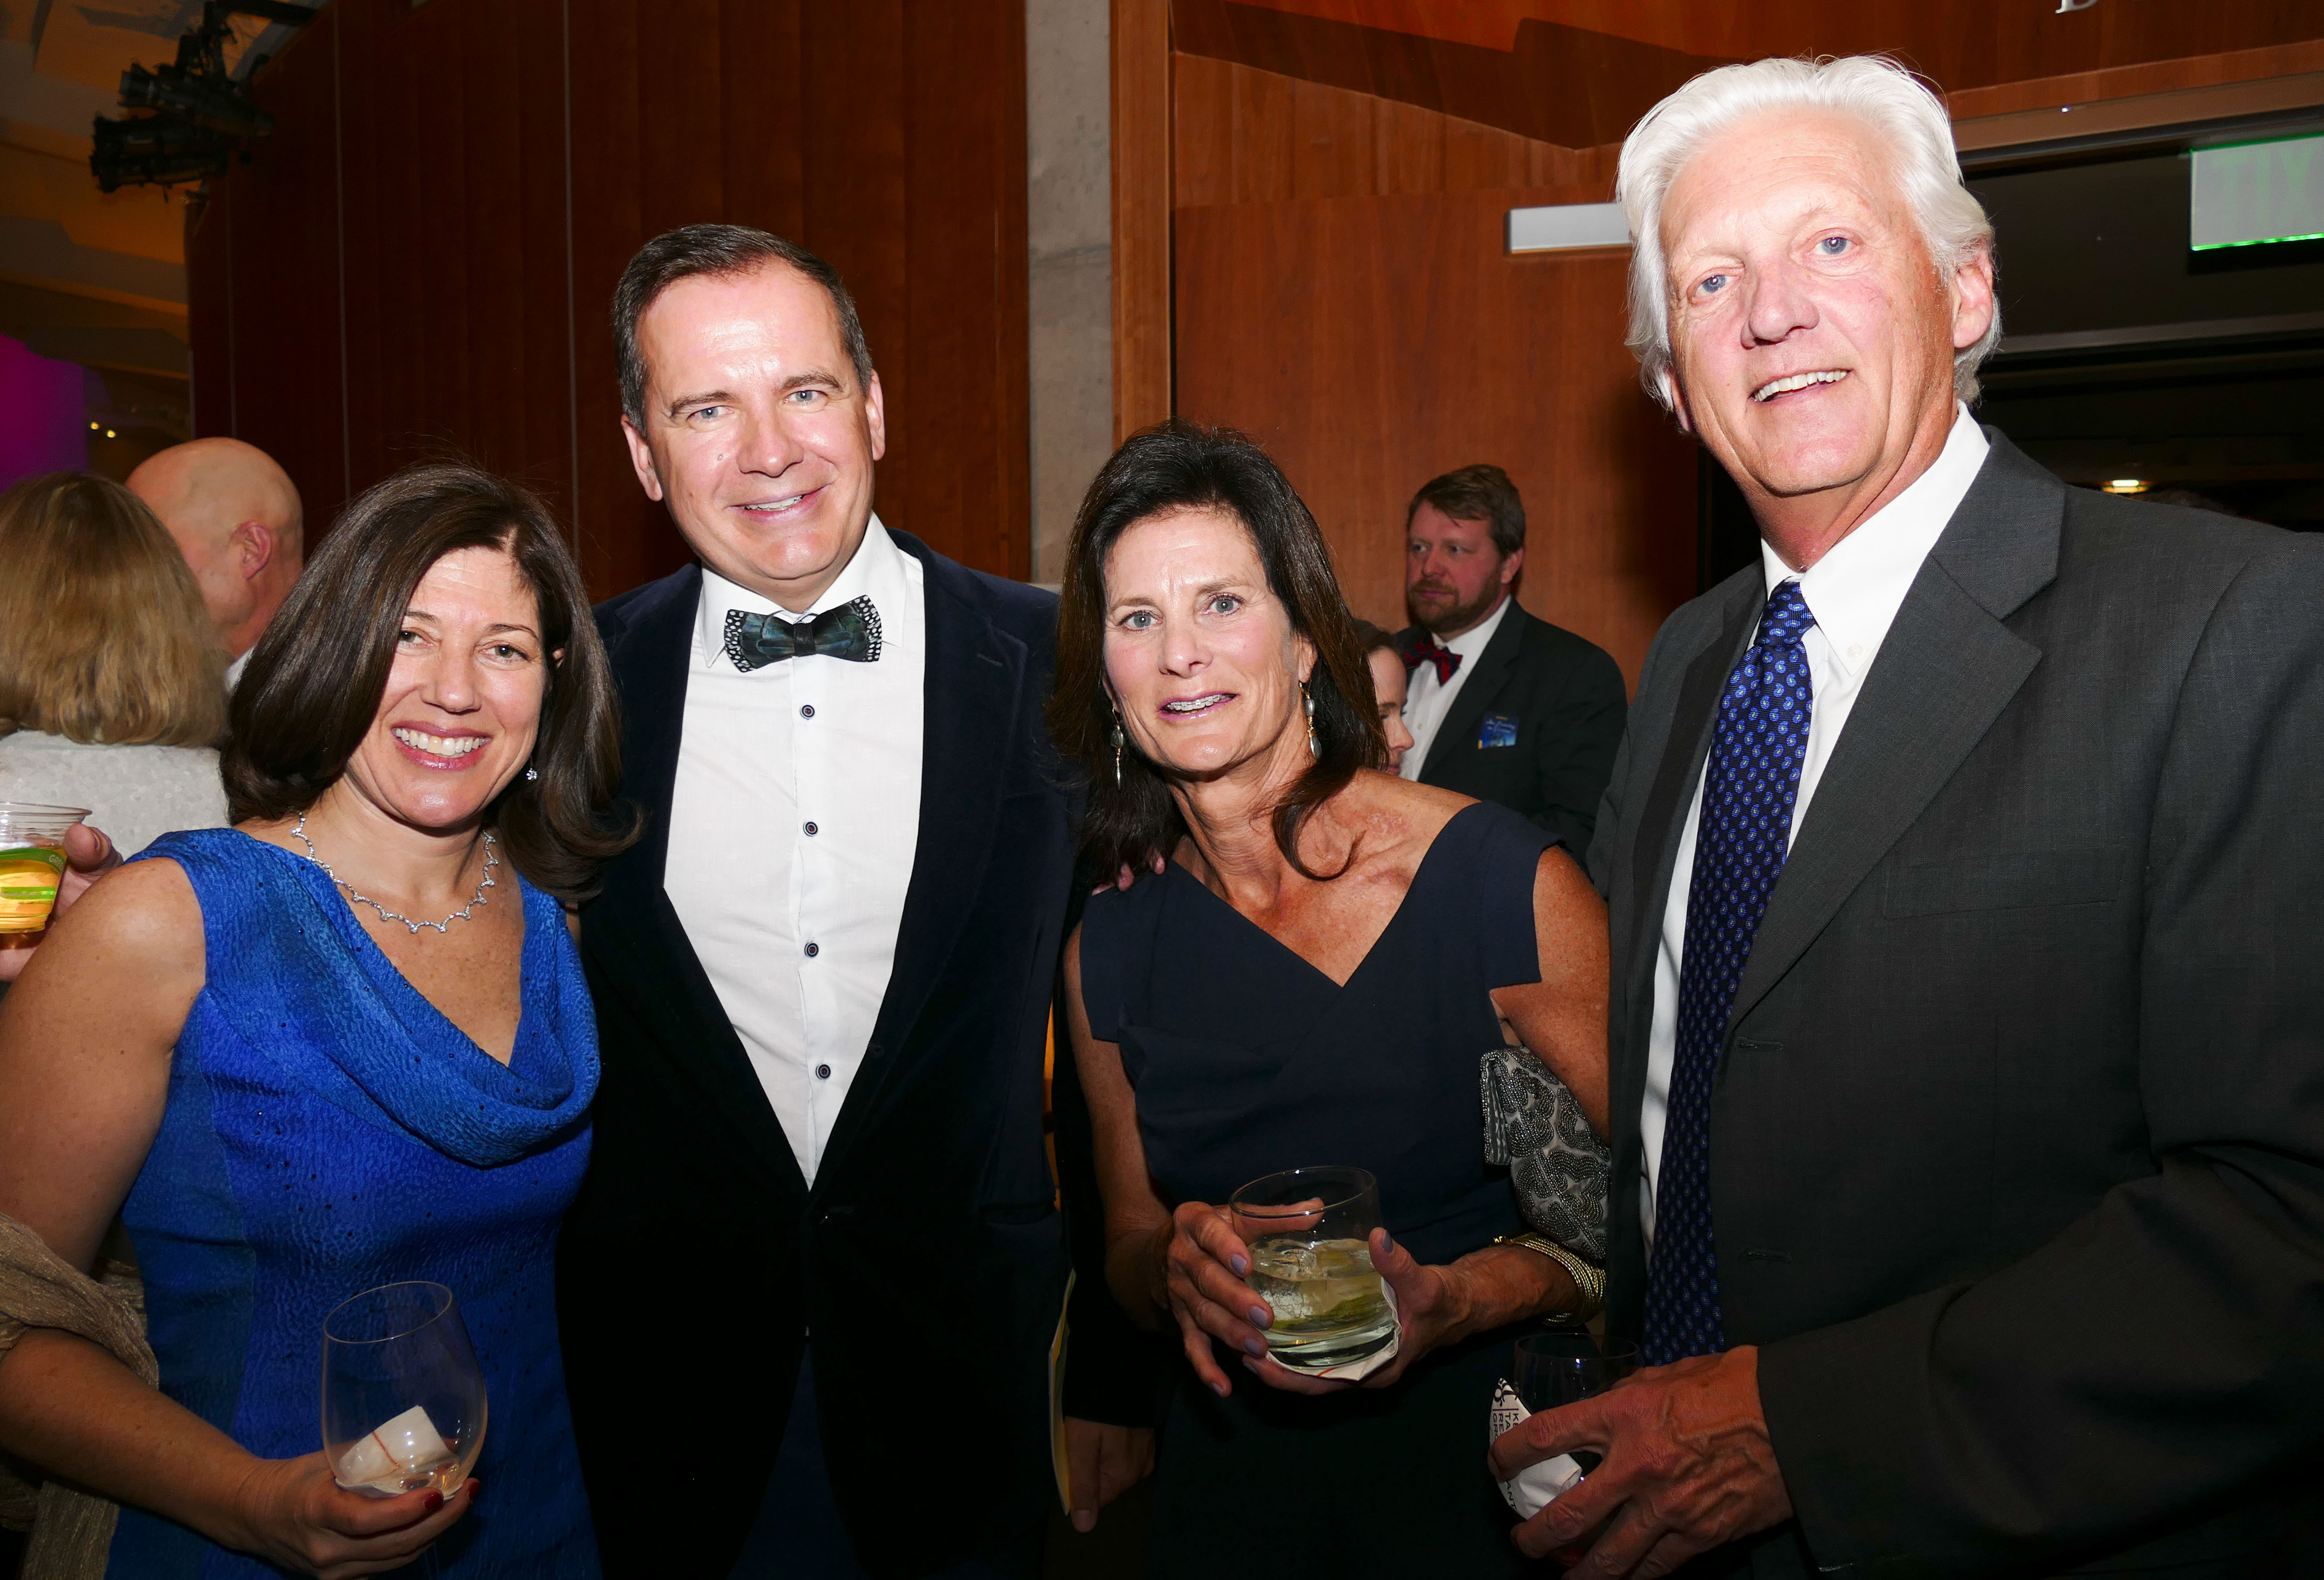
<point x="2018" y="1142"/>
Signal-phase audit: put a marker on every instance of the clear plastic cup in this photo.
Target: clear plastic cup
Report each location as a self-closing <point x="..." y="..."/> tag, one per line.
<point x="31" y="862"/>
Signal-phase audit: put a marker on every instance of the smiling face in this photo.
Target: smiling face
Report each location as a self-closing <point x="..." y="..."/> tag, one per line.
<point x="757" y="433"/>
<point x="464" y="695"/>
<point x="1200" y="653"/>
<point x="1390" y="680"/>
<point x="1813" y="336"/>
<point x="1453" y="575"/>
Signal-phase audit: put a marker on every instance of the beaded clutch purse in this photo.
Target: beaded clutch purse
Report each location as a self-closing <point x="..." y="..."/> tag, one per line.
<point x="1534" y="1127"/>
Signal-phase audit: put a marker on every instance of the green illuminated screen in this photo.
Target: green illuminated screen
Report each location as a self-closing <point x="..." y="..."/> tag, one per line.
<point x="2253" y="193"/>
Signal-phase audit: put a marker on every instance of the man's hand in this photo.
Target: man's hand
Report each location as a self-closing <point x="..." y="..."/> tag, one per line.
<point x="1687" y="1467"/>
<point x="1102" y="1463"/>
<point x="88" y="857"/>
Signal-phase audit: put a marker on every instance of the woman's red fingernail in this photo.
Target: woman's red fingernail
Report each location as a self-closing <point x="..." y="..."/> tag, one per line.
<point x="432" y="1501"/>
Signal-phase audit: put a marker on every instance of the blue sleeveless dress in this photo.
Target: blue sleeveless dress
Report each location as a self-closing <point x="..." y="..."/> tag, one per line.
<point x="1244" y="1059"/>
<point x="327" y="1129"/>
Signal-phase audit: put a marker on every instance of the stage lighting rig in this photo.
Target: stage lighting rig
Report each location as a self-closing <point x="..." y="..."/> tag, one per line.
<point x="197" y="114"/>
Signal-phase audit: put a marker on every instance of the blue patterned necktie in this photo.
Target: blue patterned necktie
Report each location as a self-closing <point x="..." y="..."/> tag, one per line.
<point x="1756" y="748"/>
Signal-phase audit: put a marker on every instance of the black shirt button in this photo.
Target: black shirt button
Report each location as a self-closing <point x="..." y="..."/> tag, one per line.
<point x="874" y="1051"/>
<point x="807" y="710"/>
<point x="812" y="950"/>
<point x="823" y="1072"/>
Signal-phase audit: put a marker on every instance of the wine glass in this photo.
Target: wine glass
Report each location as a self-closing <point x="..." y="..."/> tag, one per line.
<point x="1566" y="1367"/>
<point x="403" y="1398"/>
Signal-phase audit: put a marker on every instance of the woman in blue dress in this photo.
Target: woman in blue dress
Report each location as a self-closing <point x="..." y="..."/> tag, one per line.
<point x="345" y="1043"/>
<point x="1310" y="965"/>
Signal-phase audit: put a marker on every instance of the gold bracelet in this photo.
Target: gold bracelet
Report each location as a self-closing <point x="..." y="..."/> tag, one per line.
<point x="1589" y="1282"/>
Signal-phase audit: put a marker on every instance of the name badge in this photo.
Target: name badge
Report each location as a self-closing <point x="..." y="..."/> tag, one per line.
<point x="1499" y="729"/>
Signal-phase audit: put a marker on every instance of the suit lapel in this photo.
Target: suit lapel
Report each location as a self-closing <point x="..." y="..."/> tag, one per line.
<point x="1946" y="670"/>
<point x="1663" y="818"/>
<point x="644" y="947"/>
<point x="971" y="703"/>
<point x="1476" y="693"/>
<point x="653" y="654"/>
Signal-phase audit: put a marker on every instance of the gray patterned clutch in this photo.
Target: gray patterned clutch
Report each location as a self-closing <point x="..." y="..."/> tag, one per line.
<point x="1534" y="1127"/>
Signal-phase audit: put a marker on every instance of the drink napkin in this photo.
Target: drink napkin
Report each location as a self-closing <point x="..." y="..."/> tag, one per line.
<point x="1535" y="1487"/>
<point x="1356" y="1370"/>
<point x="392" y="1451"/>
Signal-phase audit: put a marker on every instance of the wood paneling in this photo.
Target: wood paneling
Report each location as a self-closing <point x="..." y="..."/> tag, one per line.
<point x="1443" y="49"/>
<point x="455" y="188"/>
<point x="1250" y="136"/>
<point x="1140" y="142"/>
<point x="1374" y="342"/>
<point x="2133" y="81"/>
<point x="1573" y="86"/>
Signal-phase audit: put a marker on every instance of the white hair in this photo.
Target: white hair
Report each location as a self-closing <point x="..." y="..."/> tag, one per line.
<point x="1875" y="89"/>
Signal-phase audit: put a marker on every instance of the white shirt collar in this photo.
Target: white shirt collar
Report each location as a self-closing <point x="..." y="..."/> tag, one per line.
<point x="876" y="570"/>
<point x="1855" y="590"/>
<point x="1471" y="642"/>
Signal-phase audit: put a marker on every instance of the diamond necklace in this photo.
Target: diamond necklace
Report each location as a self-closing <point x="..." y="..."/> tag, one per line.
<point x="491" y="861"/>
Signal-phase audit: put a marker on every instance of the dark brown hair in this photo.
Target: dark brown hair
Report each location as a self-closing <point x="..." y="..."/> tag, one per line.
<point x="716" y="250"/>
<point x="103" y="633"/>
<point x="316" y="676"/>
<point x="1481" y="493"/>
<point x="1176" y="465"/>
<point x="1371" y="639"/>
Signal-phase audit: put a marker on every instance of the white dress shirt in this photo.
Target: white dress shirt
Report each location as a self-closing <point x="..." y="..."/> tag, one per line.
<point x="1854" y="592"/>
<point x="793" y="824"/>
<point x="1426" y="702"/>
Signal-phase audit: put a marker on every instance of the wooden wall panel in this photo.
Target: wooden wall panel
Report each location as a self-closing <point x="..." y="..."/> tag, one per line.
<point x="455" y="188"/>
<point x="1578" y="72"/>
<point x="1139" y="146"/>
<point x="1244" y="135"/>
<point x="1374" y="342"/>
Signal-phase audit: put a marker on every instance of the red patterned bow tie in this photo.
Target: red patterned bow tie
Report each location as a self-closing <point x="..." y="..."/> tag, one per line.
<point x="1422" y="648"/>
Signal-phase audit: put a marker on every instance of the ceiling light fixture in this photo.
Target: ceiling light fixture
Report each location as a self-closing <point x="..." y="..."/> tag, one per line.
<point x="2128" y="486"/>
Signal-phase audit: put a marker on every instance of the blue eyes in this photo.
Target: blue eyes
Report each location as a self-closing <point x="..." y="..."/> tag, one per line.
<point x="1145" y="619"/>
<point x="1832" y="246"/>
<point x="1714" y="284"/>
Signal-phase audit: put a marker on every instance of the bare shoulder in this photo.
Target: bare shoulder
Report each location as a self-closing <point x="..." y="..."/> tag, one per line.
<point x="139" y="924"/>
<point x="1397" y="814"/>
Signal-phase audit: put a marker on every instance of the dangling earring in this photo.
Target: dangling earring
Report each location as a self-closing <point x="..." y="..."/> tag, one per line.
<point x="531" y="773"/>
<point x="1117" y="748"/>
<point x="1314" y="747"/>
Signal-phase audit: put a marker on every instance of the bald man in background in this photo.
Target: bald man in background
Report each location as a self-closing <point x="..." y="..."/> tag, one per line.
<point x="236" y="518"/>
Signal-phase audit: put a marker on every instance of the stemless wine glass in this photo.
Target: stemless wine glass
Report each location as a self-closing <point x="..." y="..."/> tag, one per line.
<point x="403" y="1398"/>
<point x="1565" y="1367"/>
<point x="1309" y="1231"/>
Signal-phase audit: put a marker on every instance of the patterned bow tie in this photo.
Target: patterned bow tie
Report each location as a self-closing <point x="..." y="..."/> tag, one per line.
<point x="1423" y="648"/>
<point x="850" y="632"/>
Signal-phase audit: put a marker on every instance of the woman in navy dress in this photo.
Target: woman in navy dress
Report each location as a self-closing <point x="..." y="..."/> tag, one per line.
<point x="1309" y="975"/>
<point x="344" y="1043"/>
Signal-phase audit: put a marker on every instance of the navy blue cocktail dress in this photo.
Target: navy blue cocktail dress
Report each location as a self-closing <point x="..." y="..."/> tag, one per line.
<point x="1246" y="1060"/>
<point x="329" y="1131"/>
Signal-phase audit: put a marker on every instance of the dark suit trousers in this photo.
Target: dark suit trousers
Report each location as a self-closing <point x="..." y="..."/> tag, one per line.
<point x="797" y="1535"/>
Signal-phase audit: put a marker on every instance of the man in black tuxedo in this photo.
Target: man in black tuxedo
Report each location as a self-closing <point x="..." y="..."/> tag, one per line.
<point x="1968" y="1028"/>
<point x="1502" y="705"/>
<point x="810" y="1291"/>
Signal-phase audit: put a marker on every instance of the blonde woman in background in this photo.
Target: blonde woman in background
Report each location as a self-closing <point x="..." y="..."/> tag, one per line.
<point x="112" y="679"/>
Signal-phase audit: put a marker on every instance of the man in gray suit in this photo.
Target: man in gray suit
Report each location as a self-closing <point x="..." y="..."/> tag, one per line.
<point x="1967" y="882"/>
